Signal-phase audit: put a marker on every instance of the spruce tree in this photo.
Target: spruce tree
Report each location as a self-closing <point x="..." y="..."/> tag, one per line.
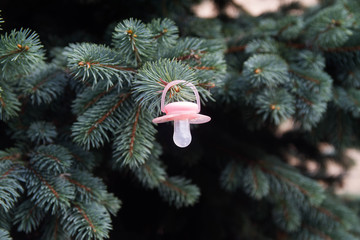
<point x="74" y="114"/>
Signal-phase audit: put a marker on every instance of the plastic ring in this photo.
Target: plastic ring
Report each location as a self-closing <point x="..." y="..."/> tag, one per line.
<point x="175" y="82"/>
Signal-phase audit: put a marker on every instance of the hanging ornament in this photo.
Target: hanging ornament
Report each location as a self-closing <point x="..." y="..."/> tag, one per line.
<point x="182" y="113"/>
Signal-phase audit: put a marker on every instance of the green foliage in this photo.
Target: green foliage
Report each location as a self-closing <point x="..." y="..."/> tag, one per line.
<point x="4" y="234"/>
<point x="204" y="28"/>
<point x="179" y="191"/>
<point x="255" y="182"/>
<point x="330" y="27"/>
<point x="265" y="70"/>
<point x="92" y="219"/>
<point x="92" y="127"/>
<point x="44" y="85"/>
<point x="41" y="132"/>
<point x="134" y="40"/>
<point x="20" y="52"/>
<point x="287" y="216"/>
<point x="165" y="33"/>
<point x="54" y="230"/>
<point x="231" y="176"/>
<point x="51" y="159"/>
<point x="93" y="63"/>
<point x="10" y="186"/>
<point x="9" y="104"/>
<point x="275" y="105"/>
<point x="84" y="160"/>
<point x="152" y="173"/>
<point x="5" y="219"/>
<point x="33" y="216"/>
<point x="52" y="193"/>
<point x="134" y="138"/>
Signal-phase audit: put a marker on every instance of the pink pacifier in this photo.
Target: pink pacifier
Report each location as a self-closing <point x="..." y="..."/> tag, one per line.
<point x="182" y="113"/>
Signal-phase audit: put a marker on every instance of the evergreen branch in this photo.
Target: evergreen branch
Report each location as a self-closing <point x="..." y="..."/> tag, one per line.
<point x="84" y="160"/>
<point x="10" y="187"/>
<point x="51" y="193"/>
<point x="29" y="216"/>
<point x="6" y="219"/>
<point x="134" y="138"/>
<point x="86" y="217"/>
<point x="178" y="191"/>
<point x="92" y="62"/>
<point x="87" y="221"/>
<point x="275" y="104"/>
<point x="91" y="130"/>
<point x="235" y="49"/>
<point x="333" y="214"/>
<point x="330" y="27"/>
<point x="123" y="97"/>
<point x="152" y="172"/>
<point x="4" y="234"/>
<point x="12" y="154"/>
<point x="165" y="32"/>
<point x="4" y="175"/>
<point x="204" y="68"/>
<point x="319" y="233"/>
<point x="300" y="185"/>
<point x="36" y="87"/>
<point x="52" y="159"/>
<point x="19" y="49"/>
<point x="54" y="230"/>
<point x="287" y="216"/>
<point x="78" y="184"/>
<point x="262" y="46"/>
<point x="10" y="105"/>
<point x="265" y="70"/>
<point x="348" y="100"/>
<point x="305" y="100"/>
<point x="134" y="40"/>
<point x="133" y="132"/>
<point x="162" y="33"/>
<point x="3" y="104"/>
<point x="13" y="157"/>
<point x="89" y="97"/>
<point x="51" y="188"/>
<point x="90" y="189"/>
<point x="96" y="64"/>
<point x="342" y="49"/>
<point x="93" y="101"/>
<point x="41" y="132"/>
<point x="231" y="176"/>
<point x="20" y="52"/>
<point x="192" y="55"/>
<point x="187" y="49"/>
<point x="44" y="85"/>
<point x="327" y="213"/>
<point x="311" y="79"/>
<point x="174" y="187"/>
<point x="288" y="181"/>
<point x="255" y="182"/>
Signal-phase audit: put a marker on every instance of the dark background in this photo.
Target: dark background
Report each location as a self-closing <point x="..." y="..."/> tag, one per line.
<point x="65" y="18"/>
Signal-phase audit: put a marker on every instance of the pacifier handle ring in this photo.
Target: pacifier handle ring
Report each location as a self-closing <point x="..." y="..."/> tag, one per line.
<point x="172" y="83"/>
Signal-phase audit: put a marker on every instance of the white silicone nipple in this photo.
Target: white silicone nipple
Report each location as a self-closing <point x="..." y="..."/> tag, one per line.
<point x="182" y="135"/>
